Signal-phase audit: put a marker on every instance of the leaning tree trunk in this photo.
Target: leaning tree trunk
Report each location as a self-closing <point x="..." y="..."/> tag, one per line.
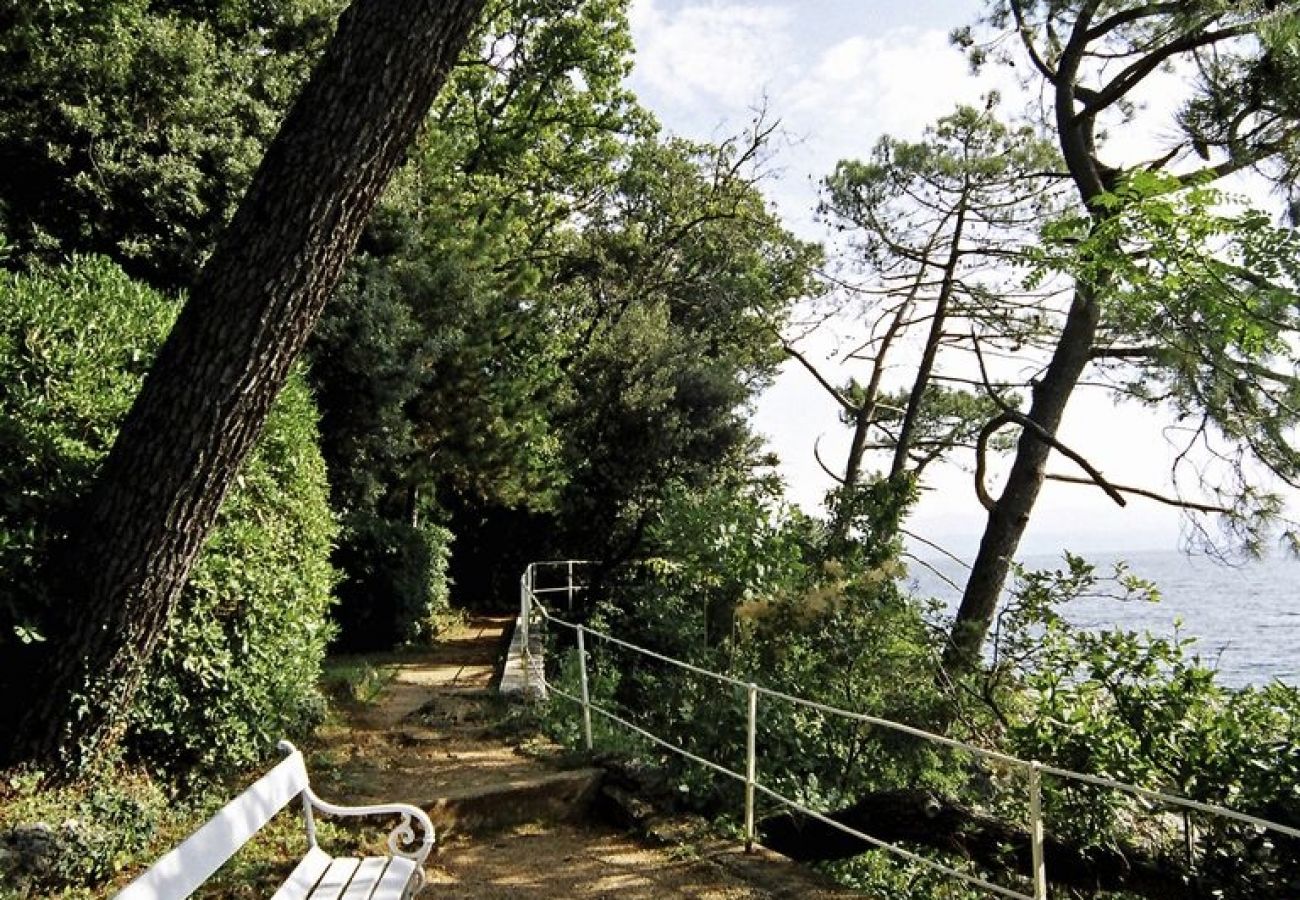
<point x="912" y="415"/>
<point x="206" y="397"/>
<point x="1009" y="515"/>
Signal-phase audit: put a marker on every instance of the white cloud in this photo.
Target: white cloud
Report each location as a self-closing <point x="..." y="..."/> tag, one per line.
<point x="860" y="88"/>
<point x="714" y="55"/>
<point x="898" y="83"/>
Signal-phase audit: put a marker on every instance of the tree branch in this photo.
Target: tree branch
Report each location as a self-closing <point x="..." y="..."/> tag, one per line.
<point x="817" y="455"/>
<point x="1009" y="415"/>
<point x="1123" y="352"/>
<point x="821" y="379"/>
<point x="981" y="449"/>
<point x="1025" y="33"/>
<point x="933" y="546"/>
<point x="1129" y="16"/>
<point x="1143" y="492"/>
<point x="1128" y="79"/>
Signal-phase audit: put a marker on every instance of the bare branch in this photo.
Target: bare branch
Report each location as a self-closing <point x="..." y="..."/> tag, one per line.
<point x="981" y="449"/>
<point x="933" y="571"/>
<point x="1143" y="492"/>
<point x="817" y="455"/>
<point x="821" y="379"/>
<point x="933" y="546"/>
<point x="1026" y="38"/>
<point x="1123" y="352"/>
<point x="1128" y="79"/>
<point x="1128" y="16"/>
<point x="1010" y="415"/>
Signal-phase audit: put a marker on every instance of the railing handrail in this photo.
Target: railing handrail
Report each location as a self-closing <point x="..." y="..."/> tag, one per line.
<point x="562" y="562"/>
<point x="1036" y="769"/>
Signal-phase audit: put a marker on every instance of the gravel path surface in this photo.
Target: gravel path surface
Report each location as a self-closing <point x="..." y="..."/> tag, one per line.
<point x="438" y="729"/>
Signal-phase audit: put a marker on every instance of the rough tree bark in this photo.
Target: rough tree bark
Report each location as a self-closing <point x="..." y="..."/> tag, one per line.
<point x="206" y="398"/>
<point x="1010" y="513"/>
<point x="1009" y="516"/>
<point x="1144" y="37"/>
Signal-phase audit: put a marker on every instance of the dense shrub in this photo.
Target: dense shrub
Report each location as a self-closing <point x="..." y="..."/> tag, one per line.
<point x="131" y="128"/>
<point x="240" y="663"/>
<point x="738" y="586"/>
<point x="1150" y="711"/>
<point x="395" y="588"/>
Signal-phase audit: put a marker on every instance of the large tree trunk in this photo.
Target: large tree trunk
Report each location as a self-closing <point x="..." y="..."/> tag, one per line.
<point x="206" y="398"/>
<point x="1010" y="514"/>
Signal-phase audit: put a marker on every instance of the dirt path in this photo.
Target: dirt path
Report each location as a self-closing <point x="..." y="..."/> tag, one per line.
<point x="438" y="732"/>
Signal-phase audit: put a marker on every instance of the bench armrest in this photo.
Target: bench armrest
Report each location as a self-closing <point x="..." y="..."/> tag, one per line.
<point x="403" y="840"/>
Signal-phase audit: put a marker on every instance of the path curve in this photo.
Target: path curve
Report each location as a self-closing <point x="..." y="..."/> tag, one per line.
<point x="438" y="731"/>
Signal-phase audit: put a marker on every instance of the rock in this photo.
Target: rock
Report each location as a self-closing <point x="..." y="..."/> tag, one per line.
<point x="412" y="738"/>
<point x="34" y="848"/>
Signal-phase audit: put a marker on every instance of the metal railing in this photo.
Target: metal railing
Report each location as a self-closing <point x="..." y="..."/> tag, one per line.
<point x="529" y="591"/>
<point x="533" y="611"/>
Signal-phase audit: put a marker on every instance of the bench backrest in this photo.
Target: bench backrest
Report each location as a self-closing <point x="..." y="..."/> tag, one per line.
<point x="180" y="872"/>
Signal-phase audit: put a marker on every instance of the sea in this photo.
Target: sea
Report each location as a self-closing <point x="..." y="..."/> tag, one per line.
<point x="1245" y="616"/>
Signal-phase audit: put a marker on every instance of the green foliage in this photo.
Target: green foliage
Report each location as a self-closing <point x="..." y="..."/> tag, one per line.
<point x="921" y="222"/>
<point x="438" y="364"/>
<point x="741" y="586"/>
<point x="96" y="829"/>
<point x="396" y="589"/>
<point x="239" y="665"/>
<point x="74" y="346"/>
<point x="838" y="629"/>
<point x="356" y="679"/>
<point x="710" y="553"/>
<point x="1201" y="290"/>
<point x="881" y="874"/>
<point x="131" y="128"/>
<point x="1149" y="711"/>
<point x="903" y="203"/>
<point x="556" y="314"/>
<point x="683" y="273"/>
<point x="873" y="510"/>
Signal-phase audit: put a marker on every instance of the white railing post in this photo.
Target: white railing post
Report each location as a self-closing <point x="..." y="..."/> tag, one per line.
<point x="570" y="585"/>
<point x="582" y="680"/>
<point x="526" y="625"/>
<point x="1036" y="831"/>
<point x="1034" y="771"/>
<point x="751" y="765"/>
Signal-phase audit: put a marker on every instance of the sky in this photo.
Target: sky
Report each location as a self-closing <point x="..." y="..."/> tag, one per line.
<point x="838" y="74"/>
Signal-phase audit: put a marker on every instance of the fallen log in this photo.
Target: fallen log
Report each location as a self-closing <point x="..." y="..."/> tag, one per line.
<point x="922" y="818"/>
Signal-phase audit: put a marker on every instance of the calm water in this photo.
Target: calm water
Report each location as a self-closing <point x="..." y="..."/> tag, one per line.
<point x="1246" y="618"/>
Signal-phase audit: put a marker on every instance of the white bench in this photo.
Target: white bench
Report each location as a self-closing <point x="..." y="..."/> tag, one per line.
<point x="319" y="876"/>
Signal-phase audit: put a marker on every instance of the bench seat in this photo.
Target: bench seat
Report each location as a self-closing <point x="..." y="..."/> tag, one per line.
<point x="318" y="876"/>
<point x="322" y="877"/>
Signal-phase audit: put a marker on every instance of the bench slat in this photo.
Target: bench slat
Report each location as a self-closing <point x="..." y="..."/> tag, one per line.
<point x="301" y="881"/>
<point x="180" y="872"/>
<point x="396" y="877"/>
<point x="367" y="878"/>
<point x="336" y="878"/>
